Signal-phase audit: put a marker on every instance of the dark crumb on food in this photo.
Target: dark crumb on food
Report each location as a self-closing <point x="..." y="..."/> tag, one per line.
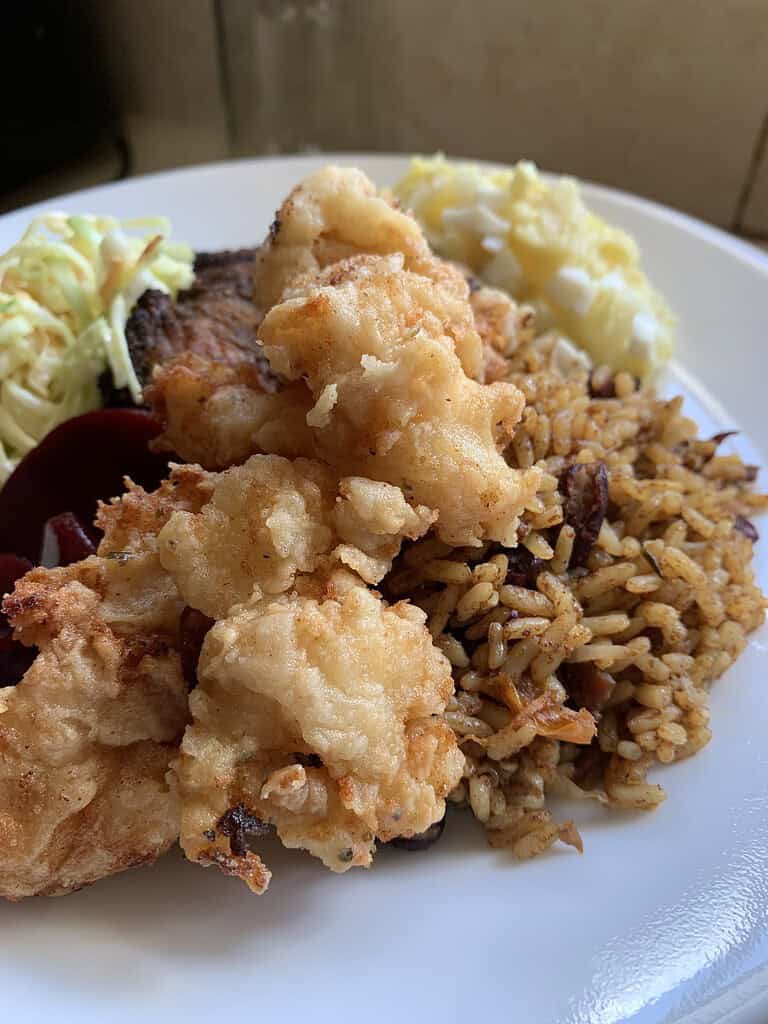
<point x="193" y="629"/>
<point x="587" y="685"/>
<point x="346" y="854"/>
<point x="120" y="556"/>
<point x="238" y="824"/>
<point x="274" y="228"/>
<point x="308" y="760"/>
<point x="602" y="386"/>
<point x="717" y="439"/>
<point x="524" y="568"/>
<point x="747" y="527"/>
<point x="653" y="563"/>
<point x="584" y="487"/>
<point x="423" y="840"/>
<point x="210" y="835"/>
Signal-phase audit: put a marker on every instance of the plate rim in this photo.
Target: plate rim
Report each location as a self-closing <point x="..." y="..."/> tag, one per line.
<point x="752" y="988"/>
<point x="742" y="248"/>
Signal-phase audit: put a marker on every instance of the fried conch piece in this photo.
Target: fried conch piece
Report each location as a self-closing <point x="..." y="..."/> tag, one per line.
<point x="318" y="715"/>
<point x="271" y="519"/>
<point x="217" y="414"/>
<point x="392" y="401"/>
<point x="336" y="213"/>
<point x="86" y="738"/>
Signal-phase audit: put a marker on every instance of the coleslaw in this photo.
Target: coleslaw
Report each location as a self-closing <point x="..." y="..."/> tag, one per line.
<point x="67" y="288"/>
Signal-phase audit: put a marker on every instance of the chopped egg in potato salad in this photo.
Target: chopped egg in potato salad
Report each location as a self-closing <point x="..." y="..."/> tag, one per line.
<point x="536" y="239"/>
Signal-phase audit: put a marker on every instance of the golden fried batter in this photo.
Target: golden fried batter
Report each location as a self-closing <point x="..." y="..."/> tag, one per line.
<point x="217" y="414"/>
<point x="87" y="736"/>
<point x="318" y="715"/>
<point x="336" y="213"/>
<point x="132" y="522"/>
<point x="270" y="519"/>
<point x="392" y="401"/>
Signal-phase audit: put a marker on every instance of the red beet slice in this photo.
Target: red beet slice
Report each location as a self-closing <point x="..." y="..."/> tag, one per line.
<point x="64" y="541"/>
<point x="12" y="568"/>
<point x="81" y="461"/>
<point x="15" y="658"/>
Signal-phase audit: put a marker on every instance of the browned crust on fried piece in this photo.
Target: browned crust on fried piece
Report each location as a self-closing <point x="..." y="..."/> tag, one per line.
<point x="87" y="736"/>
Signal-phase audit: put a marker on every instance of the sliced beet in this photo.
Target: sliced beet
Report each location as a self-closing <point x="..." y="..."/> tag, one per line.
<point x="15" y="658"/>
<point x="64" y="541"/>
<point x="12" y="568"/>
<point x="78" y="463"/>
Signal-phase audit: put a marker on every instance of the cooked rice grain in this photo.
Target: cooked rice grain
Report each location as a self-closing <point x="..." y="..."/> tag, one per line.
<point x="578" y="681"/>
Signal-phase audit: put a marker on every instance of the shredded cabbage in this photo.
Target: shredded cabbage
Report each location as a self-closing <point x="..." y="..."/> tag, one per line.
<point x="67" y="289"/>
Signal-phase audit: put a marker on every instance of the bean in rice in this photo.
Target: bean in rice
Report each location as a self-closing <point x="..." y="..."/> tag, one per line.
<point x="584" y="656"/>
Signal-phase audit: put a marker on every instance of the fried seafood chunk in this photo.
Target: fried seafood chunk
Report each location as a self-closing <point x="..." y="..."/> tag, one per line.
<point x="217" y="414"/>
<point x="503" y="326"/>
<point x="392" y="401"/>
<point x="318" y="715"/>
<point x="131" y="523"/>
<point x="87" y="736"/>
<point x="272" y="519"/>
<point x="336" y="213"/>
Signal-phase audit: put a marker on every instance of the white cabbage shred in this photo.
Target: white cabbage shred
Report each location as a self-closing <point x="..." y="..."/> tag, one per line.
<point x="67" y="288"/>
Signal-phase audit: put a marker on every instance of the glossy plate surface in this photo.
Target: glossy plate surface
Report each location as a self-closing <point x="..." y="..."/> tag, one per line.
<point x="664" y="918"/>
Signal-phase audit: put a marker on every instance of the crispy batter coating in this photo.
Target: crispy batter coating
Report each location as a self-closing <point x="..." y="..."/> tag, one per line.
<point x="503" y="325"/>
<point x="270" y="519"/>
<point x="132" y="522"/>
<point x="318" y="715"/>
<point x="392" y="401"/>
<point x="217" y="414"/>
<point x="336" y="213"/>
<point x="87" y="736"/>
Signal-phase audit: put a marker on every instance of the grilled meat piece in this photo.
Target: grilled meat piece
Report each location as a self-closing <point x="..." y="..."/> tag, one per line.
<point x="215" y="318"/>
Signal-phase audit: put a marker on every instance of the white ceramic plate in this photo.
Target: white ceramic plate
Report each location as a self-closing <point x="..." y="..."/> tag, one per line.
<point x="664" y="918"/>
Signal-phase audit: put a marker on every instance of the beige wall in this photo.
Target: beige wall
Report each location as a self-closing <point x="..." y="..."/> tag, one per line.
<point x="661" y="97"/>
<point x="753" y="220"/>
<point x="164" y="59"/>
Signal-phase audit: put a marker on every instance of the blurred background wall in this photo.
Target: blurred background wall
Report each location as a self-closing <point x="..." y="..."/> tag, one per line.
<point x="666" y="98"/>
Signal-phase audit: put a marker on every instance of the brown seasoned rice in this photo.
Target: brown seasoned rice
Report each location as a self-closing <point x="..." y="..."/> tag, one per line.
<point x="576" y="679"/>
